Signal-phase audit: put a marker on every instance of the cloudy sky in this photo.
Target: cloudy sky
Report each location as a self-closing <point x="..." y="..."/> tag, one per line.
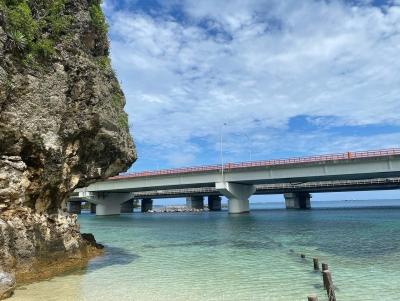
<point x="287" y="77"/>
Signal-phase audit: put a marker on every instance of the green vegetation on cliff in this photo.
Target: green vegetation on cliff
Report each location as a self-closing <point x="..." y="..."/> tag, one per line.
<point x="123" y="120"/>
<point x="35" y="27"/>
<point x="104" y="62"/>
<point x="33" y="35"/>
<point x="117" y="102"/>
<point x="97" y="16"/>
<point x="38" y="30"/>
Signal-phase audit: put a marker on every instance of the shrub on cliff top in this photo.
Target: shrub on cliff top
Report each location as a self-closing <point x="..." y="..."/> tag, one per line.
<point x="97" y="17"/>
<point x="44" y="48"/>
<point x="117" y="100"/>
<point x="12" y="2"/>
<point x="35" y="27"/>
<point x="20" y="19"/>
<point x="34" y="35"/>
<point x="104" y="62"/>
<point x="59" y="25"/>
<point x="123" y="120"/>
<point x="17" y="40"/>
<point x="58" y="22"/>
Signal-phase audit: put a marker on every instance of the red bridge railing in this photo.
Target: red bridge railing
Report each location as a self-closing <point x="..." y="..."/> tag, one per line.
<point x="273" y="162"/>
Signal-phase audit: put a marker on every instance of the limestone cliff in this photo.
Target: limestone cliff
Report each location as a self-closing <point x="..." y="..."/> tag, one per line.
<point x="62" y="125"/>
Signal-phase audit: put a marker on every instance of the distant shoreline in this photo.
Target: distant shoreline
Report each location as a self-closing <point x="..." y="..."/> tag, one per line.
<point x="273" y="205"/>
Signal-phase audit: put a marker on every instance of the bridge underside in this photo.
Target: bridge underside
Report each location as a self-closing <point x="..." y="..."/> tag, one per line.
<point x="282" y="188"/>
<point x="297" y="195"/>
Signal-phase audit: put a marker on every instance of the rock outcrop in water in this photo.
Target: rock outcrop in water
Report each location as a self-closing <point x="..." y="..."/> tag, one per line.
<point x="62" y="126"/>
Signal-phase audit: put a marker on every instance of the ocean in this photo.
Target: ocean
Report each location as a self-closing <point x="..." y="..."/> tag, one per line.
<point x="255" y="256"/>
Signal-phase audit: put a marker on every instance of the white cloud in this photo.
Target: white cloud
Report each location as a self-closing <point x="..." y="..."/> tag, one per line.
<point x="264" y="63"/>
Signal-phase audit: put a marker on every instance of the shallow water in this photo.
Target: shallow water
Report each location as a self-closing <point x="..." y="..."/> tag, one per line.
<point x="216" y="256"/>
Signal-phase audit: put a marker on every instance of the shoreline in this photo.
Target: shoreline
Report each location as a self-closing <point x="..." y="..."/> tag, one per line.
<point x="37" y="247"/>
<point x="44" y="270"/>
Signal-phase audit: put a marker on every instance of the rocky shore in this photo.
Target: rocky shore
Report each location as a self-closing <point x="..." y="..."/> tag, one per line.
<point x="37" y="246"/>
<point x="62" y="126"/>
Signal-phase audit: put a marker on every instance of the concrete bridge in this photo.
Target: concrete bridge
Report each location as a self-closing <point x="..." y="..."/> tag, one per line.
<point x="296" y="178"/>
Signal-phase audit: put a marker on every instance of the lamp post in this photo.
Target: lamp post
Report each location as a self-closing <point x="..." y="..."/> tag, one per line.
<point x="222" y="151"/>
<point x="250" y="145"/>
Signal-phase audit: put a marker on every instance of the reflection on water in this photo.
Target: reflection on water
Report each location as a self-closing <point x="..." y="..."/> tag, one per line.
<point x="215" y="256"/>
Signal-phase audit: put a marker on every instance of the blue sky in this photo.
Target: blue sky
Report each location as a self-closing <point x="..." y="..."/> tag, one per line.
<point x="288" y="78"/>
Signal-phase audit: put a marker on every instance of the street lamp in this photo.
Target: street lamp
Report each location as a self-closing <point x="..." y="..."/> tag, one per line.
<point x="250" y="145"/>
<point x="222" y="151"/>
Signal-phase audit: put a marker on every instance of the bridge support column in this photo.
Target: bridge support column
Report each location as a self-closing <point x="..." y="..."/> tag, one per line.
<point x="237" y="194"/>
<point x="109" y="203"/>
<point x="147" y="204"/>
<point x="74" y="207"/>
<point x="297" y="200"/>
<point x="195" y="202"/>
<point x="214" y="203"/>
<point x="127" y="207"/>
<point x="92" y="208"/>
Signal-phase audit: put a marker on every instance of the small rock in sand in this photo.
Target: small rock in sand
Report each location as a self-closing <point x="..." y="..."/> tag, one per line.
<point x="7" y="285"/>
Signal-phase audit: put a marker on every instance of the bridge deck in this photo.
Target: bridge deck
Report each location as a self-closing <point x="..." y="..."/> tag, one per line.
<point x="264" y="163"/>
<point x="344" y="166"/>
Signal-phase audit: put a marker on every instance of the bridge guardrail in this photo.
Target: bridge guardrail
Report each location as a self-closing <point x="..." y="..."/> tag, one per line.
<point x="262" y="163"/>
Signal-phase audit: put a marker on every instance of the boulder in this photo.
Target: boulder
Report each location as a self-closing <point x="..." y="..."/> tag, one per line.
<point x="90" y="240"/>
<point x="7" y="285"/>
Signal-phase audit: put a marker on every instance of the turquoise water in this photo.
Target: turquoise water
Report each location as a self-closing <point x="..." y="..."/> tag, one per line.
<point x="216" y="256"/>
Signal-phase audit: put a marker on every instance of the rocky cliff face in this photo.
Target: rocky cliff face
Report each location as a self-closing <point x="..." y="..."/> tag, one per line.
<point x="62" y="125"/>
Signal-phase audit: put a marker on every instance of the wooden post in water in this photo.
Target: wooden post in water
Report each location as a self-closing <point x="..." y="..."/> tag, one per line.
<point x="325" y="267"/>
<point x="324" y="280"/>
<point x="316" y="264"/>
<point x="328" y="285"/>
<point x="312" y="298"/>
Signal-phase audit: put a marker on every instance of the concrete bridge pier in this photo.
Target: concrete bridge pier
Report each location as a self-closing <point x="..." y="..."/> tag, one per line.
<point x="214" y="203"/>
<point x="74" y="207"/>
<point x="92" y="208"/>
<point x="147" y="205"/>
<point x="237" y="194"/>
<point x="109" y="203"/>
<point x="297" y="200"/>
<point x="127" y="207"/>
<point x="195" y="202"/>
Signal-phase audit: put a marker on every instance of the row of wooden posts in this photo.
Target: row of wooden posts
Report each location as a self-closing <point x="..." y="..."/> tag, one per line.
<point x="326" y="278"/>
